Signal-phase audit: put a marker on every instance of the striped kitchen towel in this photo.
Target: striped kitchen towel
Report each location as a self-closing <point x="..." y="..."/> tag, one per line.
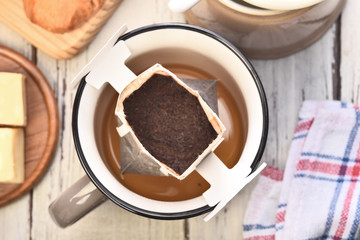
<point x="318" y="194"/>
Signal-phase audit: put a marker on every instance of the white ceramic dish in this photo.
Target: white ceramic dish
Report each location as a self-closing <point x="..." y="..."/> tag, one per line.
<point x="283" y="4"/>
<point x="237" y="6"/>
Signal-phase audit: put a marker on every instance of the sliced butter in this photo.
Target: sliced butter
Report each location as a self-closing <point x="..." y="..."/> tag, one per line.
<point x="12" y="99"/>
<point x="12" y="155"/>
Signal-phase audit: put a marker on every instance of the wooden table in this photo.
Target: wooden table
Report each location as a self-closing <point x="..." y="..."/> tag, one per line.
<point x="329" y="69"/>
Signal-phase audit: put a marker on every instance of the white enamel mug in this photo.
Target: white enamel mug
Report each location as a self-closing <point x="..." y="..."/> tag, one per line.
<point x="184" y="44"/>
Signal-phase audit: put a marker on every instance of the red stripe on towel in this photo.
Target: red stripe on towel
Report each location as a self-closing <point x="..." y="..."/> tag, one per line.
<point x="328" y="168"/>
<point x="263" y="237"/>
<point x="273" y="173"/>
<point x="280" y="216"/>
<point x="304" y="126"/>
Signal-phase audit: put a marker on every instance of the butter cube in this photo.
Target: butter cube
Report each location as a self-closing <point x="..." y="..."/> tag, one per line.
<point x="12" y="99"/>
<point x="12" y="155"/>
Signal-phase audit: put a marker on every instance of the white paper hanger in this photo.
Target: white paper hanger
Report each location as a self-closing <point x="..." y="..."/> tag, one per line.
<point x="224" y="183"/>
<point x="108" y="65"/>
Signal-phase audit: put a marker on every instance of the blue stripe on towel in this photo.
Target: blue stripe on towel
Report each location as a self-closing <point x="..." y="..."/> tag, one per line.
<point x="342" y="171"/>
<point x="326" y="156"/>
<point x="338" y="179"/>
<point x="278" y="228"/>
<point x="250" y="227"/>
<point x="299" y="136"/>
<point x="282" y="205"/>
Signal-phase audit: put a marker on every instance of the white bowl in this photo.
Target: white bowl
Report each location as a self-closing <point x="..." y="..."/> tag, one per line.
<point x="283" y="4"/>
<point x="237" y="6"/>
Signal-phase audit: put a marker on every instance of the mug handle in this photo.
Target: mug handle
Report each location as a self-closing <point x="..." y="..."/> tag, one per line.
<point x="75" y="202"/>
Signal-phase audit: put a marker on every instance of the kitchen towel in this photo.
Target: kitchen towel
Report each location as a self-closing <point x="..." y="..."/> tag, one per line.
<point x="317" y="196"/>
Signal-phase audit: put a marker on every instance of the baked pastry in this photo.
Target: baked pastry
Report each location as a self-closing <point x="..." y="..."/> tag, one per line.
<point x="60" y="16"/>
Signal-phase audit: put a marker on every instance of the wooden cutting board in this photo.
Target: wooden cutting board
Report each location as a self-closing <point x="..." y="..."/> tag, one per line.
<point x="60" y="46"/>
<point x="42" y="129"/>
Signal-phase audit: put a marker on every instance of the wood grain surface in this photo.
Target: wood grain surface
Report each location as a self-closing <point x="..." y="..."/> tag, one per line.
<point x="41" y="131"/>
<point x="60" y="46"/>
<point x="329" y="69"/>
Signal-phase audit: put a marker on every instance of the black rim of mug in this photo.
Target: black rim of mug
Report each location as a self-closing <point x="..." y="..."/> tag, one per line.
<point x="126" y="205"/>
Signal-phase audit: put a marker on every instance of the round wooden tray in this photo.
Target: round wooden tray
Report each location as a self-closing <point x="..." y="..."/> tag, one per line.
<point x="42" y="130"/>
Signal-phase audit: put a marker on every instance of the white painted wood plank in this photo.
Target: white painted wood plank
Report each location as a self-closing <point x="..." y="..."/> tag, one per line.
<point x="350" y="53"/>
<point x="287" y="81"/>
<point x="108" y="221"/>
<point x="306" y="75"/>
<point x="15" y="217"/>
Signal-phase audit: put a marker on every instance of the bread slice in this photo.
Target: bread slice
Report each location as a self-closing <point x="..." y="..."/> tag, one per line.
<point x="60" y="16"/>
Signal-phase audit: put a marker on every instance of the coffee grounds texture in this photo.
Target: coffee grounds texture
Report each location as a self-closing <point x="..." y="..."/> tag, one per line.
<point x="169" y="122"/>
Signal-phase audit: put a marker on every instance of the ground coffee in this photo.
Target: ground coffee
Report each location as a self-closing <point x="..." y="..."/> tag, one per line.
<point x="169" y="122"/>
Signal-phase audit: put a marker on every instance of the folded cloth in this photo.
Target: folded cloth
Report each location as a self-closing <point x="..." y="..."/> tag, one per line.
<point x="318" y="194"/>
